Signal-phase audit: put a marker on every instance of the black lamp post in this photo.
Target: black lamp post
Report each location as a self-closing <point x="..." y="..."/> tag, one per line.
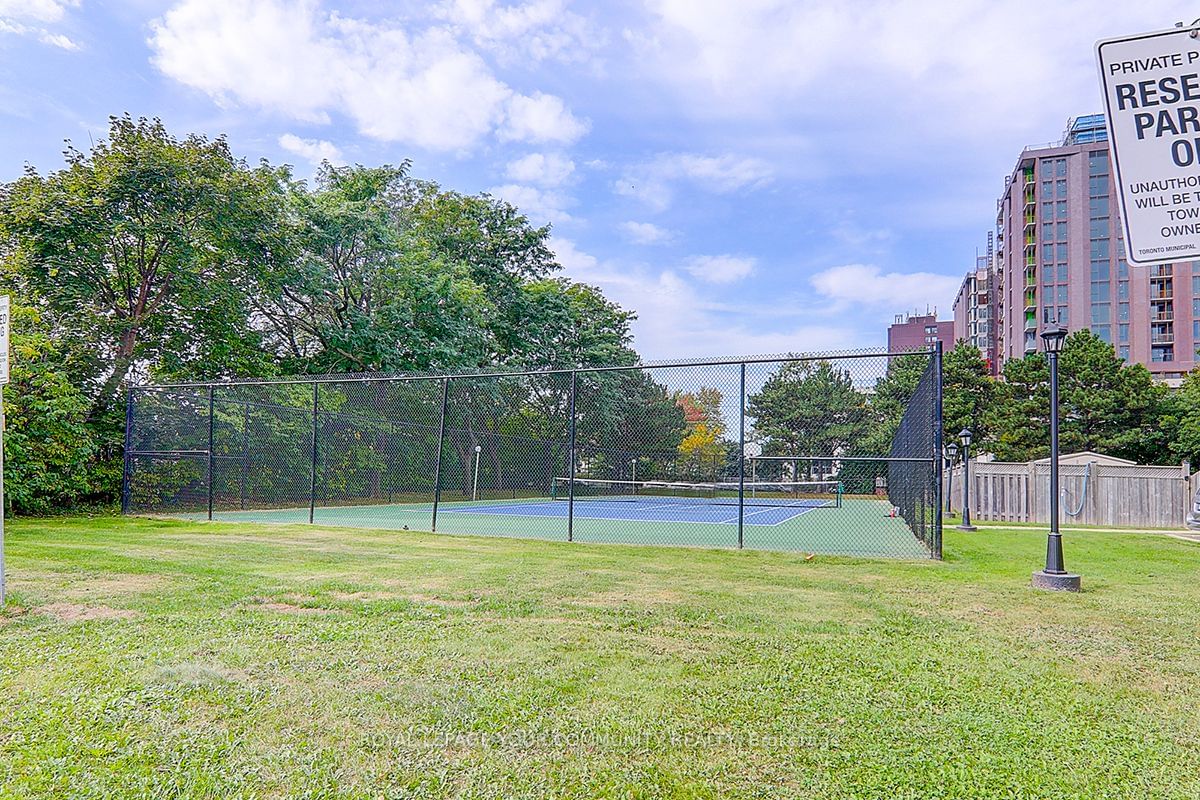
<point x="964" y="436"/>
<point x="951" y="457"/>
<point x="1055" y="575"/>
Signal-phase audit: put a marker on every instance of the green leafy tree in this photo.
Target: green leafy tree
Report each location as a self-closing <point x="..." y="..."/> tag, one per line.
<point x="1105" y="405"/>
<point x="134" y="250"/>
<point x="359" y="294"/>
<point x="50" y="451"/>
<point x="1183" y="410"/>
<point x="968" y="393"/>
<point x="809" y="408"/>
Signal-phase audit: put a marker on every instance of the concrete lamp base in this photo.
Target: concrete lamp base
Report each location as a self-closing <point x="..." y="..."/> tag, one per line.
<point x="966" y="527"/>
<point x="1066" y="582"/>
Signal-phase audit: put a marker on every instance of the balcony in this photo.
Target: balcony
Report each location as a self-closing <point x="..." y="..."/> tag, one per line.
<point x="1030" y="259"/>
<point x="1030" y="300"/>
<point x="1030" y="219"/>
<point x="1162" y="338"/>
<point x="1161" y="292"/>
<point x="1162" y="316"/>
<point x="1161" y="271"/>
<point x="1030" y="239"/>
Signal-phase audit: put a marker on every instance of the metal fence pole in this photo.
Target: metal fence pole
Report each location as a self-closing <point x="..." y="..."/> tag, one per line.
<point x="312" y="493"/>
<point x="935" y="544"/>
<point x="210" y="452"/>
<point x="571" y="465"/>
<point x="437" y="464"/>
<point x="127" y="467"/>
<point x="245" y="454"/>
<point x="742" y="460"/>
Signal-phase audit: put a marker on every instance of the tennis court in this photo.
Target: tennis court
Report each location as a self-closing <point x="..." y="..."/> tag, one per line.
<point x="818" y="519"/>
<point x="781" y="453"/>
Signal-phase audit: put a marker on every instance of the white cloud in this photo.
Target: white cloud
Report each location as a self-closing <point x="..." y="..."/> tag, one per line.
<point x="917" y="67"/>
<point x="45" y="11"/>
<point x="28" y="18"/>
<point x="541" y="118"/>
<point x="646" y="233"/>
<point x="675" y="320"/>
<point x="652" y="182"/>
<point x="311" y="150"/>
<point x="536" y="31"/>
<point x="542" y="169"/>
<point x="868" y="285"/>
<point x="419" y="85"/>
<point x="720" y="269"/>
<point x="540" y="205"/>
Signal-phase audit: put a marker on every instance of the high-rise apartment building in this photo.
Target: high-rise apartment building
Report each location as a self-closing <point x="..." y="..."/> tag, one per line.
<point x="1060" y="257"/>
<point x="974" y="321"/>
<point x="919" y="332"/>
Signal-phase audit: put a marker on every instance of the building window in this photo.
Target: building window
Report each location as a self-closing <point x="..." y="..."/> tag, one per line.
<point x="1100" y="270"/>
<point x="1196" y="331"/>
<point x="1100" y="292"/>
<point x="1048" y="232"/>
<point x="1047" y="190"/>
<point x="1097" y="162"/>
<point x="1060" y="209"/>
<point x="1099" y="227"/>
<point x="1062" y="273"/>
<point x="1100" y="249"/>
<point x="1062" y="251"/>
<point x="1097" y="186"/>
<point x="1101" y="313"/>
<point x="1195" y="283"/>
<point x="1123" y="332"/>
<point x="1047" y="212"/>
<point x="1047" y="254"/>
<point x="1062" y="294"/>
<point x="1123" y="312"/>
<point x="1103" y="331"/>
<point x="1047" y="277"/>
<point x="1062" y="315"/>
<point x="1098" y="206"/>
<point x="1124" y="352"/>
<point x="1159" y="354"/>
<point x="1123" y="290"/>
<point x="1196" y="309"/>
<point x="1122" y="267"/>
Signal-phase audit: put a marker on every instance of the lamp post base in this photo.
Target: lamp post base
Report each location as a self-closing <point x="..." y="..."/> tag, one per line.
<point x="1066" y="582"/>
<point x="966" y="527"/>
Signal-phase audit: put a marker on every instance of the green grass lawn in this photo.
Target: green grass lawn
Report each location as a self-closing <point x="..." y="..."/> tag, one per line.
<point x="145" y="658"/>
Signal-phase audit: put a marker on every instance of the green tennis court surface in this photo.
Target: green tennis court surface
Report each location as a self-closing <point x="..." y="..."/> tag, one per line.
<point x="860" y="526"/>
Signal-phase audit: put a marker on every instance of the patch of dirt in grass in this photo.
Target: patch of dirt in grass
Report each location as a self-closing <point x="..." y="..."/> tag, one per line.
<point x="75" y="612"/>
<point x="114" y="584"/>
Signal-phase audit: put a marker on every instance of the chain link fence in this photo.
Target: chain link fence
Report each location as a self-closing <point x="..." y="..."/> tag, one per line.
<point x="813" y="453"/>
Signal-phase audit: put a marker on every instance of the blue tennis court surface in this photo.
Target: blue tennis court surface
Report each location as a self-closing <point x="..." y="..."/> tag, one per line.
<point x="699" y="512"/>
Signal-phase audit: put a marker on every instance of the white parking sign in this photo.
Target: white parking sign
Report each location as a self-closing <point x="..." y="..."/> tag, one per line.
<point x="1151" y="85"/>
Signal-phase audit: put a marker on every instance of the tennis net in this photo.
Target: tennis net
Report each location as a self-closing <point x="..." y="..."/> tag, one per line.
<point x="804" y="494"/>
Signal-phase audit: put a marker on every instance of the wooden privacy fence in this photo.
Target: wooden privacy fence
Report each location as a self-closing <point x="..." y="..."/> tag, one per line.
<point x="1092" y="493"/>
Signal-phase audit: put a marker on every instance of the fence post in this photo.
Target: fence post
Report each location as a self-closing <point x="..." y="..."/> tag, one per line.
<point x="312" y="493"/>
<point x="127" y="466"/>
<point x="571" y="465"/>
<point x="245" y="453"/>
<point x="742" y="459"/>
<point x="437" y="463"/>
<point x="935" y="549"/>
<point x="210" y="452"/>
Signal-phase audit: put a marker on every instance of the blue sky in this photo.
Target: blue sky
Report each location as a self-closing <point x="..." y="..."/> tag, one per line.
<point x="749" y="177"/>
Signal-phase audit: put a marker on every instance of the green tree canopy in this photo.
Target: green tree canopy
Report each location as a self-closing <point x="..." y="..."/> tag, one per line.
<point x="133" y="252"/>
